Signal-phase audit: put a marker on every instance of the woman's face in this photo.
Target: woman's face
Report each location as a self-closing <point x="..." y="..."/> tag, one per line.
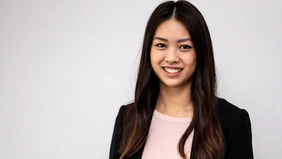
<point x="173" y="56"/>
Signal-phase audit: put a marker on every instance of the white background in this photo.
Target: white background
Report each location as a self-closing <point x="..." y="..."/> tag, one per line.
<point x="67" y="66"/>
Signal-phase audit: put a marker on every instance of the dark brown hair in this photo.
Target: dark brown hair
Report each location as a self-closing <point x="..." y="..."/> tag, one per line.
<point x="208" y="141"/>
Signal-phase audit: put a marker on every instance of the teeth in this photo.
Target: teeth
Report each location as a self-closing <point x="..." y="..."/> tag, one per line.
<point x="172" y="70"/>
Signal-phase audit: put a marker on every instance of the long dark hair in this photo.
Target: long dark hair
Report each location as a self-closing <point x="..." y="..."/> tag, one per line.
<point x="208" y="141"/>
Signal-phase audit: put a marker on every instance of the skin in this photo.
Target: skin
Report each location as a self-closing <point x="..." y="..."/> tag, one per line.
<point x="173" y="59"/>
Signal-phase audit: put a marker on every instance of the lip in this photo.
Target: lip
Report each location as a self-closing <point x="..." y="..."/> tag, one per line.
<point x="172" y="74"/>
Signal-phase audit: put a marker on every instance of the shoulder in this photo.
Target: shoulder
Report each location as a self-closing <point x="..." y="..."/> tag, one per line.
<point x="226" y="108"/>
<point x="229" y="113"/>
<point x="123" y="115"/>
<point x="117" y="132"/>
<point x="236" y="127"/>
<point x="123" y="110"/>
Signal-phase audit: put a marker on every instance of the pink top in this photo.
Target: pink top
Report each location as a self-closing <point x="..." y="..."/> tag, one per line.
<point x="164" y="135"/>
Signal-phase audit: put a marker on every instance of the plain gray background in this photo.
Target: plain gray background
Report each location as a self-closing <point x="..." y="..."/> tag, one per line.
<point x="67" y="66"/>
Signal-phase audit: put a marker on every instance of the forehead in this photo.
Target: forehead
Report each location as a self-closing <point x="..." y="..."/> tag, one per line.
<point x="172" y="28"/>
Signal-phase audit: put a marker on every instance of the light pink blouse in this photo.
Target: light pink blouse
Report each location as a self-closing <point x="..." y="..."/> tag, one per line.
<point x="164" y="135"/>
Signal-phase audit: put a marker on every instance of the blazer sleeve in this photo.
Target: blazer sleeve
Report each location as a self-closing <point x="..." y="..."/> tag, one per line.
<point x="239" y="137"/>
<point x="117" y="136"/>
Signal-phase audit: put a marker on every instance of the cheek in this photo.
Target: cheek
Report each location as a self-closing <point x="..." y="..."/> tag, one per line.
<point x="155" y="58"/>
<point x="191" y="60"/>
<point x="155" y="62"/>
<point x="194" y="63"/>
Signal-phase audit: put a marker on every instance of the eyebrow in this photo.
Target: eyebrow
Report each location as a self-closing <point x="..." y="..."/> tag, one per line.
<point x="178" y="41"/>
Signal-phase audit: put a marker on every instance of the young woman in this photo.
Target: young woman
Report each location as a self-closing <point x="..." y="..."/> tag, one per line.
<point x="176" y="113"/>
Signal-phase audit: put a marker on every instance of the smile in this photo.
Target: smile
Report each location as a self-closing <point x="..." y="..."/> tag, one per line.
<point x="172" y="70"/>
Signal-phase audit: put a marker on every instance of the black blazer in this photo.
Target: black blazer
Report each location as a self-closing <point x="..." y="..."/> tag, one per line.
<point x="236" y="127"/>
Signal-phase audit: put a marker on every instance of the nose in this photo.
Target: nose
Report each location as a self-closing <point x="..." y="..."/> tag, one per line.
<point x="172" y="56"/>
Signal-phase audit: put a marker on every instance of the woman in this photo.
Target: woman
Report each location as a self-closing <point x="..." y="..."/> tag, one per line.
<point x="176" y="113"/>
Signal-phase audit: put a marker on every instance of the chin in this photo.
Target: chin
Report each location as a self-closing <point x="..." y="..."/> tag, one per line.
<point x="175" y="84"/>
<point x="171" y="84"/>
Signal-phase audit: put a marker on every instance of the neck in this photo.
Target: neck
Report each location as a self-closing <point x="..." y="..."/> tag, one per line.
<point x="175" y="101"/>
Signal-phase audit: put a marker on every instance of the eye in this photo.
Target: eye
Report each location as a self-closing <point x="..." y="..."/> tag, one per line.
<point x="160" y="45"/>
<point x="185" y="47"/>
